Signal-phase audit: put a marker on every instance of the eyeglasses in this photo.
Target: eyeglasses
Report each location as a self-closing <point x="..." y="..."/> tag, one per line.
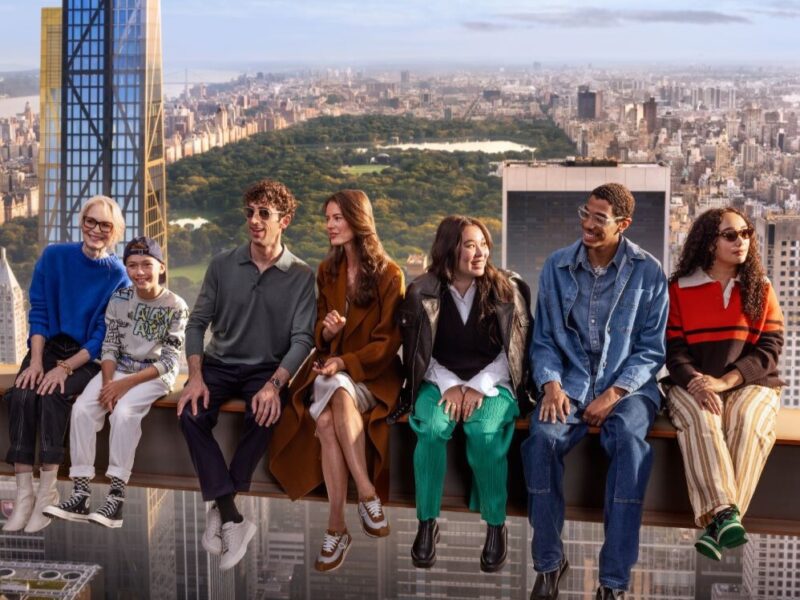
<point x="598" y="218"/>
<point x="731" y="235"/>
<point x="263" y="213"/>
<point x="105" y="226"/>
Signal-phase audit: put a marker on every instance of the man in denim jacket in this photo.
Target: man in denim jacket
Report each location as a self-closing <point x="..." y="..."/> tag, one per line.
<point x="598" y="342"/>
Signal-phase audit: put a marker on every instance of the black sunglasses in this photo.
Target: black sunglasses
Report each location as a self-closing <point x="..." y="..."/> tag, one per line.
<point x="730" y="235"/>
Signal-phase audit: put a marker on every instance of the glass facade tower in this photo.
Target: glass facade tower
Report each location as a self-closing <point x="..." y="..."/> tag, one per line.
<point x="108" y="125"/>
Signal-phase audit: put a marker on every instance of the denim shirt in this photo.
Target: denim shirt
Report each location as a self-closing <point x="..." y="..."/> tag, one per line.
<point x="632" y="349"/>
<point x="593" y="304"/>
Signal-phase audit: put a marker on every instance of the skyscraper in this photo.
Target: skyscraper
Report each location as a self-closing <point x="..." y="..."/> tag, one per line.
<point x="650" y="114"/>
<point x="779" y="236"/>
<point x="13" y="323"/>
<point x="540" y="210"/>
<point x="587" y="103"/>
<point x="102" y="115"/>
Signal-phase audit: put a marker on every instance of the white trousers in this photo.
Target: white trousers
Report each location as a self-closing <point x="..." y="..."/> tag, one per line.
<point x="87" y="420"/>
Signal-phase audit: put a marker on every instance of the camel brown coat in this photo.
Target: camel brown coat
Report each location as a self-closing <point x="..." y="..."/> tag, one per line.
<point x="368" y="346"/>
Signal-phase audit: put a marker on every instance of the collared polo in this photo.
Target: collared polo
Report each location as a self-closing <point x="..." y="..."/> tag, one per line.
<point x="255" y="317"/>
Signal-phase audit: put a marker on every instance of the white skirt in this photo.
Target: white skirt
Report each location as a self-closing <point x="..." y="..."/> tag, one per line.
<point x="324" y="388"/>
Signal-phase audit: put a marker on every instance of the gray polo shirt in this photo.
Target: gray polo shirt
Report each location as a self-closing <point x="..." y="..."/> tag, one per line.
<point x="255" y="318"/>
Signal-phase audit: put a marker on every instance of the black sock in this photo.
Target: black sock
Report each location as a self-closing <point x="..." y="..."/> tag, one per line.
<point x="228" y="510"/>
<point x="80" y="485"/>
<point x="117" y="487"/>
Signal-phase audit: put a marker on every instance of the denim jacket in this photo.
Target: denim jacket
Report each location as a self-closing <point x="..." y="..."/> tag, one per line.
<point x="634" y="346"/>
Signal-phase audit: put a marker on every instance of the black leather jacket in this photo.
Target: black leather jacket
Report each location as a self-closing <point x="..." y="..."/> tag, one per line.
<point x="419" y="317"/>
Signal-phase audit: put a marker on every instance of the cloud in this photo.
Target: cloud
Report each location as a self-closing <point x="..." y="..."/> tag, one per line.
<point x="484" y="26"/>
<point x="601" y="17"/>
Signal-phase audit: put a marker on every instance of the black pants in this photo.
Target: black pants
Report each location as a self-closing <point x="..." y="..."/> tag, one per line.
<point x="225" y="382"/>
<point x="29" y="412"/>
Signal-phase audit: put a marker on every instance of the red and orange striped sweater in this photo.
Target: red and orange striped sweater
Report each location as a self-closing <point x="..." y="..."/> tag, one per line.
<point x="707" y="332"/>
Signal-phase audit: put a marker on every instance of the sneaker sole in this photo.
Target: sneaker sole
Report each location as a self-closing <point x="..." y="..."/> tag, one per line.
<point x="427" y="564"/>
<point x="707" y="550"/>
<point x="732" y="536"/>
<point x="104" y="521"/>
<point x="375" y="533"/>
<point x="56" y="513"/>
<point x="329" y="567"/>
<point x="251" y="531"/>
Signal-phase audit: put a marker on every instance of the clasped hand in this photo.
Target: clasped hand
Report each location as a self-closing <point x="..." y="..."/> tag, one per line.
<point x="705" y="390"/>
<point x="460" y="402"/>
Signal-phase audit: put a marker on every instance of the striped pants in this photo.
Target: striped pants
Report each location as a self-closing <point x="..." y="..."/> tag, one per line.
<point x="724" y="455"/>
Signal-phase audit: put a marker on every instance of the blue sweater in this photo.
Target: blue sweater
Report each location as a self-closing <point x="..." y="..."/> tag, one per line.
<point x="69" y="292"/>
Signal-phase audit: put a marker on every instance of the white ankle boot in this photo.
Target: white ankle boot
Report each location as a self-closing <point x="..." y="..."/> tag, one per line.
<point x="45" y="496"/>
<point x="23" y="503"/>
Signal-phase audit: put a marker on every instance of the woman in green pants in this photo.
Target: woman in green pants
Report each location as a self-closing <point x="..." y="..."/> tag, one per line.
<point x="465" y="333"/>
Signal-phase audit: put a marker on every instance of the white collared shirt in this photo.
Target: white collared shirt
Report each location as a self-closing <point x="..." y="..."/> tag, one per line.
<point x="700" y="277"/>
<point x="492" y="375"/>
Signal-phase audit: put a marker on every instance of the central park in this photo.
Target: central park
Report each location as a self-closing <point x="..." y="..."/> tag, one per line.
<point x="410" y="193"/>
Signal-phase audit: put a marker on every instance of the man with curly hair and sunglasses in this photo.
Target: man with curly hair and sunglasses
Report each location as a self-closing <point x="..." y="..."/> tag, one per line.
<point x="260" y="303"/>
<point x="724" y="339"/>
<point x="598" y="342"/>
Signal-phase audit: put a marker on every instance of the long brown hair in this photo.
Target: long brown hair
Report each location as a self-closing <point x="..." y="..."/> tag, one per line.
<point x="492" y="287"/>
<point x="699" y="251"/>
<point x="357" y="211"/>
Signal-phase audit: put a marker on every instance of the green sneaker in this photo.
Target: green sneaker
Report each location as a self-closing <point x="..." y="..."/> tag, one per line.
<point x="730" y="533"/>
<point x="707" y="543"/>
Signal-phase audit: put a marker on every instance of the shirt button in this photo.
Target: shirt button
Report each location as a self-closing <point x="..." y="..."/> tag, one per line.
<point x="593" y="321"/>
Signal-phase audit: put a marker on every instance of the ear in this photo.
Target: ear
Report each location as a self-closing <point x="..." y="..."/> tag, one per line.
<point x="162" y="269"/>
<point x="624" y="224"/>
<point x="284" y="222"/>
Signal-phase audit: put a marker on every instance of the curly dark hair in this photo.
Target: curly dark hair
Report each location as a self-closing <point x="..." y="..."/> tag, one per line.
<point x="357" y="211"/>
<point x="493" y="287"/>
<point x="269" y="191"/>
<point x="618" y="196"/>
<point x="699" y="251"/>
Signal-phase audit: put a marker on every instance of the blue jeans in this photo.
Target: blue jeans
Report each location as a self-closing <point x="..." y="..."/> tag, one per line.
<point x="622" y="437"/>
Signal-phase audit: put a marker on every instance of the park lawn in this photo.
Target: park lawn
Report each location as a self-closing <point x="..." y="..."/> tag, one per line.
<point x="363" y="169"/>
<point x="193" y="272"/>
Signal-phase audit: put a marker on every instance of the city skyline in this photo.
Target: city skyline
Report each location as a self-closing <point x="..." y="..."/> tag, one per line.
<point x="249" y="33"/>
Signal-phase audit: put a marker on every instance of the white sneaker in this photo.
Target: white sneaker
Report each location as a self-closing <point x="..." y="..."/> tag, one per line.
<point x="334" y="549"/>
<point x="235" y="537"/>
<point x="373" y="519"/>
<point x="212" y="536"/>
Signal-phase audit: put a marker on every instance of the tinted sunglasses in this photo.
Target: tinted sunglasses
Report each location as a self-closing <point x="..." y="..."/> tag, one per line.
<point x="263" y="213"/>
<point x="730" y="235"/>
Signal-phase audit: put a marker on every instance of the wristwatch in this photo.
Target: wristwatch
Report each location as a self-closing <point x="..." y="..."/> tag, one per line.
<point x="275" y="381"/>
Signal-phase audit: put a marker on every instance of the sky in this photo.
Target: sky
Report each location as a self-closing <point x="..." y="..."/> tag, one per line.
<point x="229" y="33"/>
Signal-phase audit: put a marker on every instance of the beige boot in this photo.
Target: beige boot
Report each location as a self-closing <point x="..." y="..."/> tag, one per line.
<point x="45" y="496"/>
<point x="23" y="503"/>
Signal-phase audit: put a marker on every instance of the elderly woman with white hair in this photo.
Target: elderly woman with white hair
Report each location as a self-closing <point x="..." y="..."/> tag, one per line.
<point x="71" y="286"/>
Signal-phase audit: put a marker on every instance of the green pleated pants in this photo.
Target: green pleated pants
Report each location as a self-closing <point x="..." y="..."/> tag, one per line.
<point x="488" y="431"/>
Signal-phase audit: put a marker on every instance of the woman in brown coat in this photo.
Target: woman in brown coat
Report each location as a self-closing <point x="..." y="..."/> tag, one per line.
<point x="353" y="384"/>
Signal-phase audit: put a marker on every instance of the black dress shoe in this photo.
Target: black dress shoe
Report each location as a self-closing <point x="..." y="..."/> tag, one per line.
<point x="494" y="553"/>
<point x="607" y="593"/>
<point x="546" y="585"/>
<point x="423" y="552"/>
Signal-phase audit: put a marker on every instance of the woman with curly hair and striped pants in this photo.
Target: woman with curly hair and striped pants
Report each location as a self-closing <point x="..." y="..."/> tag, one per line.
<point x="724" y="338"/>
